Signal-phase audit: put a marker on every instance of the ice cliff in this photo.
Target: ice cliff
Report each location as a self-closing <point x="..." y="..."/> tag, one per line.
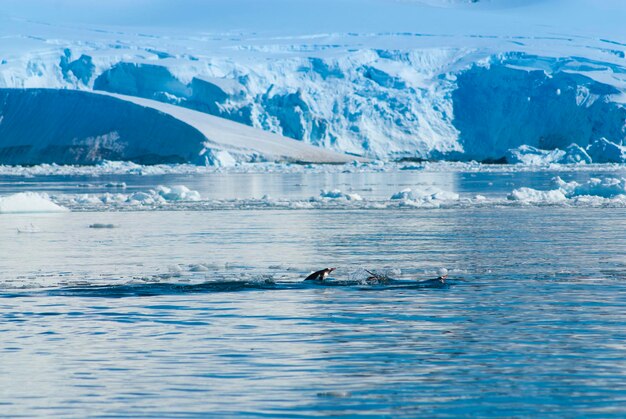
<point x="430" y="79"/>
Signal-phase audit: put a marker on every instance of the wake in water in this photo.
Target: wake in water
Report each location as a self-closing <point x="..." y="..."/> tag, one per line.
<point x="149" y="290"/>
<point x="372" y="281"/>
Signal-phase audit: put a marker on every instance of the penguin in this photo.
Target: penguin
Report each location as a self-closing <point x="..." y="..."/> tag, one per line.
<point x="319" y="275"/>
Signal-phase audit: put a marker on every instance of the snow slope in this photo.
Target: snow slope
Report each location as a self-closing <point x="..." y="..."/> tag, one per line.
<point x="450" y="79"/>
<point x="79" y="127"/>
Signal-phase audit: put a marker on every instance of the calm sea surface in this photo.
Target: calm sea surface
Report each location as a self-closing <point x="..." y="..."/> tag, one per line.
<point x="200" y="313"/>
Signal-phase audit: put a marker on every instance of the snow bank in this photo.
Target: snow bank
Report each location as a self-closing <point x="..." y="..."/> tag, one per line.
<point x="28" y="202"/>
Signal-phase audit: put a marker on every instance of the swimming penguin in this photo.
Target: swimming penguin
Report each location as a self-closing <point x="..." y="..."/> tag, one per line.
<point x="319" y="275"/>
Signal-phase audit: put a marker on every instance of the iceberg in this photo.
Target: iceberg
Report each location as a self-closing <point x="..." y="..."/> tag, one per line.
<point x="533" y="156"/>
<point x="575" y="154"/>
<point x="530" y="155"/>
<point x="605" y="151"/>
<point x="595" y="188"/>
<point x="28" y="202"/>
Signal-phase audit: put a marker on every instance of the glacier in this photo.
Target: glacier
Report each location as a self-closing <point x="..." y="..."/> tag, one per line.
<point x="424" y="80"/>
<point x="81" y="127"/>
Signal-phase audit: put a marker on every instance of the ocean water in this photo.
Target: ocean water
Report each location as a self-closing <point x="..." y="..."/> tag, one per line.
<point x="198" y="313"/>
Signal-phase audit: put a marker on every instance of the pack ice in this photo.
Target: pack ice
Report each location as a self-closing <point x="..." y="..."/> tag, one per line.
<point x="222" y="82"/>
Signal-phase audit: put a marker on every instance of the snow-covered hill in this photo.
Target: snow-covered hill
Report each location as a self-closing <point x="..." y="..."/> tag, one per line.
<point x="79" y="127"/>
<point x="455" y="79"/>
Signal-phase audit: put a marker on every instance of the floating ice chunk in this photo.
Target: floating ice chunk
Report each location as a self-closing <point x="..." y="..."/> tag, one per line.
<point x="530" y="155"/>
<point x="425" y="194"/>
<point x="403" y="194"/>
<point x="178" y="193"/>
<point x="594" y="188"/>
<point x="566" y="187"/>
<point x="529" y="195"/>
<point x="144" y="198"/>
<point x="334" y="194"/>
<point x="337" y="194"/>
<point x="220" y="158"/>
<point x="28" y="202"/>
<point x="575" y="154"/>
<point x="605" y="188"/>
<point x="604" y="151"/>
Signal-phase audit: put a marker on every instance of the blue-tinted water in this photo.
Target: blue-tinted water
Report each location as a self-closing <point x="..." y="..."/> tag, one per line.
<point x="123" y="322"/>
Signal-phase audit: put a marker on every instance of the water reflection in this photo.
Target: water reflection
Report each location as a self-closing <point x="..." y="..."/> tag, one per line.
<point x="532" y="324"/>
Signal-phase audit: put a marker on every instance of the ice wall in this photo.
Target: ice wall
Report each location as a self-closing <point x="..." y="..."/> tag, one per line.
<point x="422" y="79"/>
<point x="498" y="108"/>
<point x="392" y="104"/>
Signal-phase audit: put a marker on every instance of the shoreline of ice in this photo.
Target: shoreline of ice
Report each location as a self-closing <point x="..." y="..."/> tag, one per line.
<point x="595" y="193"/>
<point x="111" y="168"/>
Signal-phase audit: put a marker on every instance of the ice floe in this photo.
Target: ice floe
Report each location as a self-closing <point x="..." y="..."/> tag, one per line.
<point x="28" y="202"/>
<point x="594" y="192"/>
<point x="529" y="155"/>
<point x="127" y="168"/>
<point x="161" y="195"/>
<point x="337" y="194"/>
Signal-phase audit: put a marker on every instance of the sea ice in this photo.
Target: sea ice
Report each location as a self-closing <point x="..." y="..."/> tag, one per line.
<point x="529" y="195"/>
<point x="178" y="193"/>
<point x="533" y="156"/>
<point x="426" y="194"/>
<point x="28" y="202"/>
<point x="337" y="194"/>
<point x="595" y="190"/>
